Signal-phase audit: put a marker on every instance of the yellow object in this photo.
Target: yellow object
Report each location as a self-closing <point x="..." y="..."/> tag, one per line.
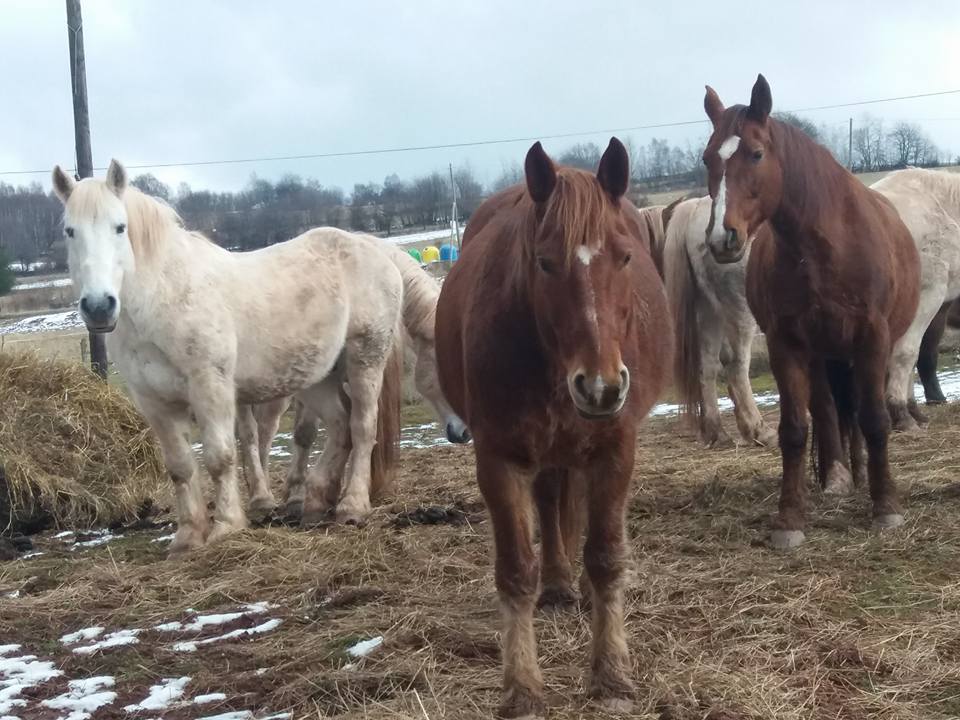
<point x="430" y="254"/>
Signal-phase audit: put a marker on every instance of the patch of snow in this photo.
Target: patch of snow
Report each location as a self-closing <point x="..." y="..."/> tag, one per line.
<point x="233" y="715"/>
<point x="88" y="633"/>
<point x="168" y="627"/>
<point x="14" y="594"/>
<point x="65" y="533"/>
<point x="103" y="537"/>
<point x="114" y="639"/>
<point x="84" y="697"/>
<point x="202" y="621"/>
<point x="446" y="233"/>
<point x="37" y="284"/>
<point x="365" y="647"/>
<point x="192" y="645"/>
<point x="260" y="671"/>
<point x="30" y="555"/>
<point x="21" y="673"/>
<point x="209" y="698"/>
<point x="164" y="538"/>
<point x="7" y="649"/>
<point x="44" y="323"/>
<point x="160" y="696"/>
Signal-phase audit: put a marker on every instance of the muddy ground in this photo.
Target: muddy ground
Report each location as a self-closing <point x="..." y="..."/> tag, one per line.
<point x="850" y="625"/>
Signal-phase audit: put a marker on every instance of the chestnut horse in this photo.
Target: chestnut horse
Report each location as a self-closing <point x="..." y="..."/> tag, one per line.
<point x="553" y="342"/>
<point x="833" y="290"/>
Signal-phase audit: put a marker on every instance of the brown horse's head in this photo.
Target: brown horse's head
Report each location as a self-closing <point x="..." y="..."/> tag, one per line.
<point x="745" y="173"/>
<point x="576" y="259"/>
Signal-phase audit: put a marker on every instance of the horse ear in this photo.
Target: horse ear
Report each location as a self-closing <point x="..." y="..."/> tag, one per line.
<point x="62" y="184"/>
<point x="116" y="178"/>
<point x="540" y="173"/>
<point x="713" y="105"/>
<point x="761" y="102"/>
<point x="614" y="170"/>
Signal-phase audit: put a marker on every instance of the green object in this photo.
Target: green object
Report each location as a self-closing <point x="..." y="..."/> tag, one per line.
<point x="415" y="254"/>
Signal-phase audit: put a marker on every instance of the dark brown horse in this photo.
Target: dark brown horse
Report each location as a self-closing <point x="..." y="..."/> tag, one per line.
<point x="832" y="290"/>
<point x="553" y="342"/>
<point x="948" y="316"/>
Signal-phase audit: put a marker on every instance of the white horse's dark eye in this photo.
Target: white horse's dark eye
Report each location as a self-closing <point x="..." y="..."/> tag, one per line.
<point x="757" y="155"/>
<point x="120" y="228"/>
<point x="68" y="231"/>
<point x="545" y="265"/>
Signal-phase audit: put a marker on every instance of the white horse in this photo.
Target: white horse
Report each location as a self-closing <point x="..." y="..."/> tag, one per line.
<point x="195" y="328"/>
<point x="257" y="425"/>
<point x="929" y="205"/>
<point x="714" y="328"/>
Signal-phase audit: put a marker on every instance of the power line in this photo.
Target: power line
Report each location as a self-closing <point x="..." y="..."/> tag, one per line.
<point x="478" y="143"/>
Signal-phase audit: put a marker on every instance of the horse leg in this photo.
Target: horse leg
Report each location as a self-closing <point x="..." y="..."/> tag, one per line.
<point x="213" y="402"/>
<point x="304" y="435"/>
<point x="556" y="571"/>
<point x="711" y="342"/>
<point x="875" y="424"/>
<point x="261" y="499"/>
<point x="322" y="485"/>
<point x="791" y="369"/>
<point x="506" y="492"/>
<point x="928" y="358"/>
<point x="750" y="422"/>
<point x="605" y="556"/>
<point x="268" y="416"/>
<point x="171" y="424"/>
<point x="832" y="472"/>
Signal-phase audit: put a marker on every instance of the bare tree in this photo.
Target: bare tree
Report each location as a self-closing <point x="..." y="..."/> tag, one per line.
<point x="585" y="156"/>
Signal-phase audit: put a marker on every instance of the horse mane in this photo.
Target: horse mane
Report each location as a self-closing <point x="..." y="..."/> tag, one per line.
<point x="420" y="295"/>
<point x="652" y="219"/>
<point x="945" y="186"/>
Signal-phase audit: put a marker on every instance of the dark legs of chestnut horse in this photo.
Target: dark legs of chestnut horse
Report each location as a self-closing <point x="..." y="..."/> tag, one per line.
<point x="870" y="371"/>
<point x="927" y="359"/>
<point x="509" y="495"/>
<point x="559" y="507"/>
<point x="791" y="367"/>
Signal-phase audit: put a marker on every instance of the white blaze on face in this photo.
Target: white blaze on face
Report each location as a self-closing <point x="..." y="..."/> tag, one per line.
<point x="726" y="151"/>
<point x="586" y="253"/>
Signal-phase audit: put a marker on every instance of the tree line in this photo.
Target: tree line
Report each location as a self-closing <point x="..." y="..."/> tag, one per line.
<point x="266" y="212"/>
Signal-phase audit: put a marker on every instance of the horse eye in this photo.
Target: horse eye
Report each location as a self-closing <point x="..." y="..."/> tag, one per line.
<point x="68" y="231"/>
<point x="120" y="228"/>
<point x="757" y="155"/>
<point x="626" y="259"/>
<point x="545" y="265"/>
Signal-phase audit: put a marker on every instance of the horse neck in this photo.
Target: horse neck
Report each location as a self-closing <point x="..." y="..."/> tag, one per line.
<point x="161" y="270"/>
<point x="815" y="188"/>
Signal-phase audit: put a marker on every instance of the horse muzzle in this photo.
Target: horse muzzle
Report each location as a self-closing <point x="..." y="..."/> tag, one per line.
<point x="727" y="248"/>
<point x="100" y="313"/>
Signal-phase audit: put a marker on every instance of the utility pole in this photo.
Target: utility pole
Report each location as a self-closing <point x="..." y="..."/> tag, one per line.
<point x="81" y="129"/>
<point x="456" y="221"/>
<point x="850" y="148"/>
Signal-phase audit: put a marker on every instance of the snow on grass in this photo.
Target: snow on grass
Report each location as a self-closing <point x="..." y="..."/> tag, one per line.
<point x="202" y="621"/>
<point x="84" y="697"/>
<point x="191" y="646"/>
<point x="114" y="639"/>
<point x="168" y="626"/>
<point x="31" y="555"/>
<point x="43" y="323"/>
<point x="102" y="538"/>
<point x="446" y="233"/>
<point x="160" y="696"/>
<point x="65" y="533"/>
<point x="88" y="633"/>
<point x="245" y="715"/>
<point x="38" y="284"/>
<point x="164" y="538"/>
<point x="22" y="673"/>
<point x="11" y="648"/>
<point x="209" y="698"/>
<point x="365" y="647"/>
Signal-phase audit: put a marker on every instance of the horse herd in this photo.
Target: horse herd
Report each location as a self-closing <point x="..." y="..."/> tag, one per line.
<point x="550" y="340"/>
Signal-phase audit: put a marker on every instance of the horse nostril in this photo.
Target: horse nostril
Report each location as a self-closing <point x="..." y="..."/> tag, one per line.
<point x="731" y="239"/>
<point x="624" y="378"/>
<point x="580" y="383"/>
<point x="111" y="303"/>
<point x="84" y="305"/>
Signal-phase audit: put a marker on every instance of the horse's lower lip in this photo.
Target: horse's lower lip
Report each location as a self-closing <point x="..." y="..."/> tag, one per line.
<point x="101" y="329"/>
<point x="725" y="258"/>
<point x="598" y="416"/>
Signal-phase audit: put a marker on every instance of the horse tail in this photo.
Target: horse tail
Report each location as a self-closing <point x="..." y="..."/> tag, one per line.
<point x="383" y="460"/>
<point x="844" y="394"/>
<point x="682" y="296"/>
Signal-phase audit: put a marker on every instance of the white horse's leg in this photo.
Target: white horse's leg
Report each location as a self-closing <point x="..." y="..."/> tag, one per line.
<point x="366" y="380"/>
<point x="907" y="348"/>
<point x="213" y="402"/>
<point x="268" y="416"/>
<point x="171" y="424"/>
<point x="318" y="493"/>
<point x="740" y="332"/>
<point x="261" y="499"/>
<point x="711" y="343"/>
<point x="304" y="435"/>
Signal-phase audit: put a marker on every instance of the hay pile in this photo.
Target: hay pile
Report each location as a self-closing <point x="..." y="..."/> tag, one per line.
<point x="73" y="451"/>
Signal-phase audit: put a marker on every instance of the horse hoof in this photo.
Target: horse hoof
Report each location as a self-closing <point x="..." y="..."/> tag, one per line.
<point x="617" y="705"/>
<point x="905" y="424"/>
<point x="310" y="518"/>
<point x="786" y="539"/>
<point x="888" y="521"/>
<point x="222" y="529"/>
<point x="180" y="548"/>
<point x="557" y="598"/>
<point x="767" y="437"/>
<point x="261" y="508"/>
<point x="936" y="400"/>
<point x="522" y="704"/>
<point x="839" y="481"/>
<point x="293" y="510"/>
<point x="721" y="442"/>
<point x="352" y="518"/>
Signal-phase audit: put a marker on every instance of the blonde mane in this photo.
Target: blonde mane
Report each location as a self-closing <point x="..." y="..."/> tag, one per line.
<point x="420" y="295"/>
<point x="575" y="210"/>
<point x="942" y="185"/>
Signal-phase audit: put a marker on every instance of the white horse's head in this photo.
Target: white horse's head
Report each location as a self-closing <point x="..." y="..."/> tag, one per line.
<point x="427" y="382"/>
<point x="98" y="249"/>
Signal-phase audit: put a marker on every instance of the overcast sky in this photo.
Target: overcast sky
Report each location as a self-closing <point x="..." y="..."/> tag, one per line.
<point x="195" y="80"/>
